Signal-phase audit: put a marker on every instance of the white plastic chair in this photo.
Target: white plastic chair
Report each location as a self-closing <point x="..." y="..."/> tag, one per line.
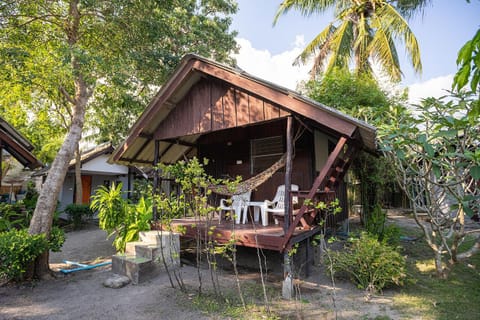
<point x="238" y="206"/>
<point x="277" y="205"/>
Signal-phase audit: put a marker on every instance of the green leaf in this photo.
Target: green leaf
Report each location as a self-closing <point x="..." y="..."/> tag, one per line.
<point x="429" y="149"/>
<point x="475" y="172"/>
<point x="436" y="171"/>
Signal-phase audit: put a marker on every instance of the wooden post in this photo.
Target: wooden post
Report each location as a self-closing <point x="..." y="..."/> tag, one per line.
<point x="287" y="286"/>
<point x="155" y="180"/>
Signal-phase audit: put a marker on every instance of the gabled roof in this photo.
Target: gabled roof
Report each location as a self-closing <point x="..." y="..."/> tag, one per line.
<point x="17" y="145"/>
<point x="158" y="121"/>
<point x="104" y="148"/>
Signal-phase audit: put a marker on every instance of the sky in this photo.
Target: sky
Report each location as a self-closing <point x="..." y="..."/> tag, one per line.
<point x="267" y="51"/>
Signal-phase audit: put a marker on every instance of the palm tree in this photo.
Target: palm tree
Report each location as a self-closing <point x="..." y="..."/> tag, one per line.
<point x="363" y="32"/>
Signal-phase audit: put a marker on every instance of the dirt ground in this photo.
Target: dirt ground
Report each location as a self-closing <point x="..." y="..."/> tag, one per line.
<point x="81" y="295"/>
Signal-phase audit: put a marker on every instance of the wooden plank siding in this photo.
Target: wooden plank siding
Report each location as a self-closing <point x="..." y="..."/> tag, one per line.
<point x="211" y="105"/>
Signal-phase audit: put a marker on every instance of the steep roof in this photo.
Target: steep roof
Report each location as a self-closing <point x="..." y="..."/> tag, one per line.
<point x="158" y="119"/>
<point x="17" y="145"/>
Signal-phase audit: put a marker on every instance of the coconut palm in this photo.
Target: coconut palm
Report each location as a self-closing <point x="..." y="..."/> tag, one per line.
<point x="363" y="32"/>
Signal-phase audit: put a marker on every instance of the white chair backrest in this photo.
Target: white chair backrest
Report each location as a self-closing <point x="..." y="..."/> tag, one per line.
<point x="241" y="199"/>
<point x="279" y="198"/>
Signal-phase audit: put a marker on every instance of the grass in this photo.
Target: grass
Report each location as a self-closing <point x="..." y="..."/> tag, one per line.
<point x="433" y="298"/>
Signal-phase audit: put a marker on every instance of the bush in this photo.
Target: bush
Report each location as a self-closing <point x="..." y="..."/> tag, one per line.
<point x="17" y="250"/>
<point x="57" y="238"/>
<point x="375" y="224"/>
<point x="13" y="216"/>
<point x="120" y="217"/>
<point x="78" y="213"/>
<point x="371" y="264"/>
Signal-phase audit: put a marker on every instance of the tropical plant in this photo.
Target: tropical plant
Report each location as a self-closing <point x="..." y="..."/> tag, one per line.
<point x="60" y="52"/>
<point x="363" y="32"/>
<point x="436" y="159"/>
<point x="370" y="263"/>
<point x="78" y="213"/>
<point x="119" y="217"/>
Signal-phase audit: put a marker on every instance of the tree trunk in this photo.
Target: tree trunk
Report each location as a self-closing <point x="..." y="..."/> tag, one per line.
<point x="47" y="200"/>
<point x="78" y="176"/>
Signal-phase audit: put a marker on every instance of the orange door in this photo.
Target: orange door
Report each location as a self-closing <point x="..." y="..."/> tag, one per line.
<point x="86" y="189"/>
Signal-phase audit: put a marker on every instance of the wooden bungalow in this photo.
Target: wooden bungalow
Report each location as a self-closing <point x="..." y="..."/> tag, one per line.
<point x="243" y="125"/>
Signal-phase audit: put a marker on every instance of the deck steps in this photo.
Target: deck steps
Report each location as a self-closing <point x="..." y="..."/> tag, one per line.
<point x="148" y="257"/>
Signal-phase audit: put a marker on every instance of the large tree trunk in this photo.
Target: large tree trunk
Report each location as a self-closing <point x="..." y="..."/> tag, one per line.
<point x="47" y="200"/>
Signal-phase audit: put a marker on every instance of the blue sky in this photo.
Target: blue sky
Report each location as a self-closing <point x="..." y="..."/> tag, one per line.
<point x="267" y="50"/>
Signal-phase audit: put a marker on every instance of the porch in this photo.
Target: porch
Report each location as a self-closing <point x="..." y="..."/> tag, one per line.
<point x="251" y="234"/>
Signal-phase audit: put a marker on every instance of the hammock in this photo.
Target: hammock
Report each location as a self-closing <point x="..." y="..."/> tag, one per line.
<point x="253" y="182"/>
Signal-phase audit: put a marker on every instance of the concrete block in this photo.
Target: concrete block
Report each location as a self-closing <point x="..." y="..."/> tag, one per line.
<point x="138" y="269"/>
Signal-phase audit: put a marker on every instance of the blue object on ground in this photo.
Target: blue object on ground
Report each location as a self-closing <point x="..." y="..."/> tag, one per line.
<point x="83" y="266"/>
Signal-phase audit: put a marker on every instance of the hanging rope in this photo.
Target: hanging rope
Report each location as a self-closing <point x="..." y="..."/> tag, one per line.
<point x="260" y="178"/>
<point x="253" y="182"/>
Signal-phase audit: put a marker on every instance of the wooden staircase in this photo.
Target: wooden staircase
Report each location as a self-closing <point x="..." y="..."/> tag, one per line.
<point x="323" y="188"/>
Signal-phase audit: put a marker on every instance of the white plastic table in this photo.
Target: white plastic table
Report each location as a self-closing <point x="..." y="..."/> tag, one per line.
<point x="258" y="206"/>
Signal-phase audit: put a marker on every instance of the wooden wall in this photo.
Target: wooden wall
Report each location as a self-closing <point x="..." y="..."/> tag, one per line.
<point x="211" y="105"/>
<point x="226" y="149"/>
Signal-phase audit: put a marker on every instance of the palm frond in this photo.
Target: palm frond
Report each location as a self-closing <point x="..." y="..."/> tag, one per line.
<point x="400" y="29"/>
<point x="317" y="45"/>
<point x="341" y="47"/>
<point x="382" y="48"/>
<point x="305" y="7"/>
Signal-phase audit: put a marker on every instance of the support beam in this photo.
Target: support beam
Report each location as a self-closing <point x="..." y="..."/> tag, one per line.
<point x="155" y="180"/>
<point x="287" y="286"/>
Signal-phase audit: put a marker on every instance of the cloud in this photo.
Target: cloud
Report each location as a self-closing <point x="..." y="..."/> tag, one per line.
<point x="276" y="68"/>
<point x="435" y="87"/>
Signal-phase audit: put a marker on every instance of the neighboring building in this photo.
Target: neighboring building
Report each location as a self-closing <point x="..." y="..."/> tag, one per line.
<point x="13" y="145"/>
<point x="95" y="172"/>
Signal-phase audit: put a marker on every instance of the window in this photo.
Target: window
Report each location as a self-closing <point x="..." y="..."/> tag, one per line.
<point x="265" y="152"/>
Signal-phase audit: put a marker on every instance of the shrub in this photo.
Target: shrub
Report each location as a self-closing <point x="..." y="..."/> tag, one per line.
<point x="78" y="213"/>
<point x="375" y="224"/>
<point x="12" y="216"/>
<point x="57" y="238"/>
<point x="17" y="250"/>
<point x="371" y="264"/>
<point x="118" y="216"/>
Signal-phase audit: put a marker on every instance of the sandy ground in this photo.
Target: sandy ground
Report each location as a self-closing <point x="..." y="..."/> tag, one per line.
<point x="81" y="295"/>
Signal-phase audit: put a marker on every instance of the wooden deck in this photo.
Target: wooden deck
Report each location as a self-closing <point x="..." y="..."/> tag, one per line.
<point x="249" y="235"/>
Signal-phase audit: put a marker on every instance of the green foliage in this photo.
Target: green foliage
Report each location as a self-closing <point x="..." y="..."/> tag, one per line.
<point x="362" y="31"/>
<point x="57" y="239"/>
<point x="17" y="250"/>
<point x="118" y="216"/>
<point x="375" y="224"/>
<point x="78" y="214"/>
<point x="31" y="197"/>
<point x="469" y="65"/>
<point x="371" y="264"/>
<point x="357" y="95"/>
<point x="37" y="74"/>
<point x="111" y="207"/>
<point x="361" y="97"/>
<point x="13" y="216"/>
